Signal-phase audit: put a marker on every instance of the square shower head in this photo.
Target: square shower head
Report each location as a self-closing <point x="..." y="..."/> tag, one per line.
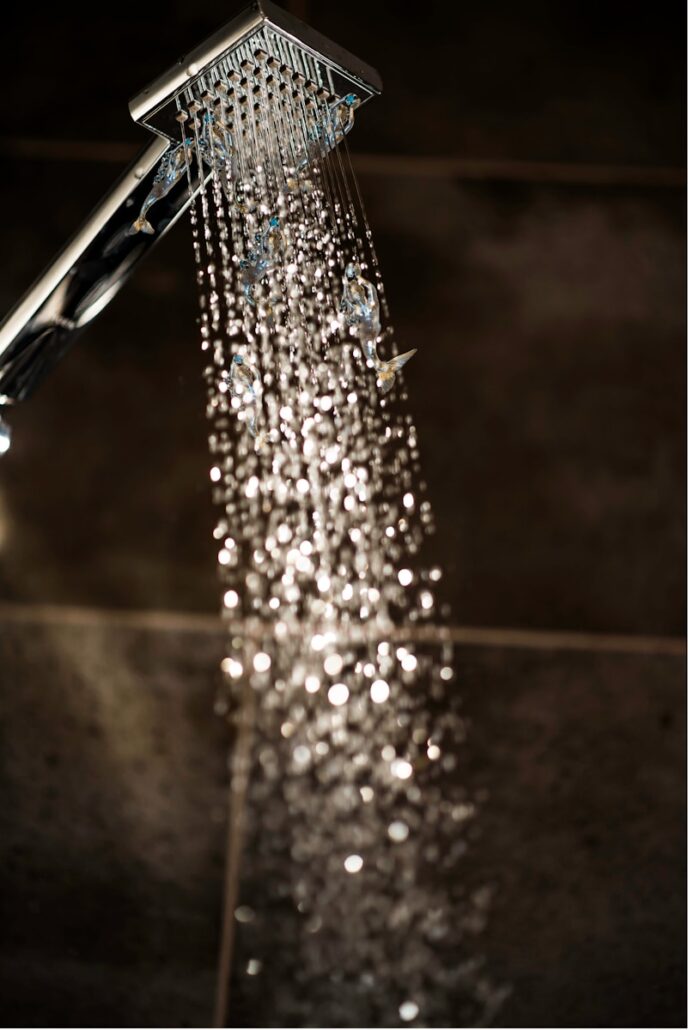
<point x="262" y="29"/>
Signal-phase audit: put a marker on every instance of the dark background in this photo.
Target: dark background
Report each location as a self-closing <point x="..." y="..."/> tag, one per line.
<point x="523" y="176"/>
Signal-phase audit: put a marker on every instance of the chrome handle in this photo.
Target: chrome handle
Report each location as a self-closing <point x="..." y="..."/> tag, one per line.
<point x="86" y="275"/>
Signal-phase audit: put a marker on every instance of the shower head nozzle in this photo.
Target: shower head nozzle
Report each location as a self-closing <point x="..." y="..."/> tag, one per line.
<point x="264" y="37"/>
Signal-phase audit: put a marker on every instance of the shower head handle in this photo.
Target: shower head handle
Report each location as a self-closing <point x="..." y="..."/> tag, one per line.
<point x="84" y="277"/>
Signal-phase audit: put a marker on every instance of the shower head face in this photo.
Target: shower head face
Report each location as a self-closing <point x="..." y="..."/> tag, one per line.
<point x="264" y="31"/>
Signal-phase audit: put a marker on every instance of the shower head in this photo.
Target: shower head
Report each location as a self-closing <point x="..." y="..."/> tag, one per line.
<point x="264" y="31"/>
<point x="263" y="42"/>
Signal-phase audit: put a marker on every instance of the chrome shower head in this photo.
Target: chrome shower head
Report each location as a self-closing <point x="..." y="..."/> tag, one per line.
<point x="263" y="41"/>
<point x="262" y="35"/>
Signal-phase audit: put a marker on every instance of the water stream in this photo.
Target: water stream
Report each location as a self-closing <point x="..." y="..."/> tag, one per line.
<point x="350" y="820"/>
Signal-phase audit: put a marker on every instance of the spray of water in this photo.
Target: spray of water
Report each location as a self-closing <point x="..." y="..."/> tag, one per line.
<point x="345" y="800"/>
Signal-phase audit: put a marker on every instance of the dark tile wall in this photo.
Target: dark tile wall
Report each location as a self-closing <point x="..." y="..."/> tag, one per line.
<point x="113" y="801"/>
<point x="536" y="80"/>
<point x="549" y="319"/>
<point x="548" y="390"/>
<point x="112" y="874"/>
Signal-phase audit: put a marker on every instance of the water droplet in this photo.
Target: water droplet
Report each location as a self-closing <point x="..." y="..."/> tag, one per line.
<point x="398" y="831"/>
<point x="401" y="769"/>
<point x="244" y="914"/>
<point x="338" y="694"/>
<point x="379" y="691"/>
<point x="408" y="1011"/>
<point x="333" y="664"/>
<point x="353" y="864"/>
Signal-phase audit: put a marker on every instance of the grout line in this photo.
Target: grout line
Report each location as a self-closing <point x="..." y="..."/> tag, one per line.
<point x="403" y="165"/>
<point x="71" y="615"/>
<point x="467" y="636"/>
<point x="518" y="171"/>
<point x="564" y="640"/>
<point x="97" y="151"/>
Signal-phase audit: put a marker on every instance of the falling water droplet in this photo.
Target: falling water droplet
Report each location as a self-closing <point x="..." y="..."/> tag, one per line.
<point x="408" y="1011"/>
<point x="353" y="864"/>
<point x="318" y="482"/>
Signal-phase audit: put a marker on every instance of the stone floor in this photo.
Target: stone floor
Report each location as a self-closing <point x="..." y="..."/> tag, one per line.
<point x="521" y="173"/>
